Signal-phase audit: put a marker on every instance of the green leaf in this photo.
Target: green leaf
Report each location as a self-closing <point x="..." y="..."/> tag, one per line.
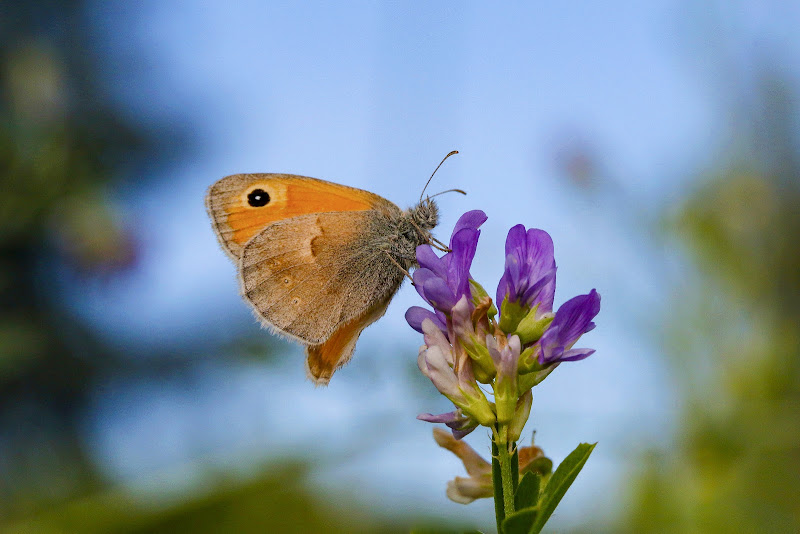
<point x="520" y="521"/>
<point x="497" y="482"/>
<point x="560" y="482"/>
<point x="528" y="491"/>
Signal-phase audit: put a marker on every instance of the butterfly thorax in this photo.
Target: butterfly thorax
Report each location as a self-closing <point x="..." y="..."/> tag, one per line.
<point x="409" y="230"/>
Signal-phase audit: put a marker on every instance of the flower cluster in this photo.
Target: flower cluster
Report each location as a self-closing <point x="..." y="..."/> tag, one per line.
<point x="468" y="342"/>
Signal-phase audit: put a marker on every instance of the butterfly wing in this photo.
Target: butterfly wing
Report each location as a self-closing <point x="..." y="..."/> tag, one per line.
<point x="321" y="279"/>
<point x="236" y="220"/>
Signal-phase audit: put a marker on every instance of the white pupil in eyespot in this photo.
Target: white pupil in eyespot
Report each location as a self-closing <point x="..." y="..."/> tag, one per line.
<point x="258" y="198"/>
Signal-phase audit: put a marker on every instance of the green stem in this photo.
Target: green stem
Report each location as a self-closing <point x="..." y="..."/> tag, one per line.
<point x="506" y="476"/>
<point x="502" y="475"/>
<point x="497" y="484"/>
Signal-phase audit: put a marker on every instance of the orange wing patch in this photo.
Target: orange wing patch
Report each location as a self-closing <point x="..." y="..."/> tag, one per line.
<point x="236" y="221"/>
<point x="323" y="360"/>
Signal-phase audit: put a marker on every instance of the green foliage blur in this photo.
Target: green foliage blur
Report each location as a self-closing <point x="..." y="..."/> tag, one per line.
<point x="59" y="145"/>
<point x="63" y="147"/>
<point x="732" y="335"/>
<point x="731" y="331"/>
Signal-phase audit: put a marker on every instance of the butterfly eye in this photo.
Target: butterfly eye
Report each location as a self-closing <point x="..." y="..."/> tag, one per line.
<point x="258" y="198"/>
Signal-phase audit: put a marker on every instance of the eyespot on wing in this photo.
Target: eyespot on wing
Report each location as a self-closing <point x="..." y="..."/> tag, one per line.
<point x="241" y="205"/>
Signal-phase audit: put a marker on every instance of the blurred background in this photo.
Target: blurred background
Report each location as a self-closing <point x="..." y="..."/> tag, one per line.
<point x="658" y="142"/>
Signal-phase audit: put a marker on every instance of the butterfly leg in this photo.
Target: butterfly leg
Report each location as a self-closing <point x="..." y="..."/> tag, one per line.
<point x="439" y="245"/>
<point x="435" y="243"/>
<point x="402" y="270"/>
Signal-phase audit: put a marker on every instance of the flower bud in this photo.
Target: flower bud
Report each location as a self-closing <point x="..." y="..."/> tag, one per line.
<point x="466" y="338"/>
<point x="475" y="403"/>
<point x="505" y="354"/>
<point x="528" y="380"/>
<point x="511" y="313"/>
<point x="521" y="414"/>
<point x="531" y="327"/>
<point x="480" y="296"/>
<point x="482" y="367"/>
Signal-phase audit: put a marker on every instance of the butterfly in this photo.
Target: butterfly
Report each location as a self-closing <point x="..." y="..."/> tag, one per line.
<point x="318" y="262"/>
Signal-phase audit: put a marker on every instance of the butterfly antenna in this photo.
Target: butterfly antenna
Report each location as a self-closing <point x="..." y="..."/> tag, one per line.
<point x="449" y="191"/>
<point x="434" y="172"/>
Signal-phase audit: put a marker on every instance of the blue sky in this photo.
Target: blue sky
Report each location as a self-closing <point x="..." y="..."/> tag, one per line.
<point x="373" y="95"/>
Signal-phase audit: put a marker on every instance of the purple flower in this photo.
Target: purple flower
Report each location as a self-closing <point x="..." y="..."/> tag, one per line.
<point x="415" y="315"/>
<point x="452" y="375"/>
<point x="572" y="320"/>
<point x="530" y="272"/>
<point x="460" y="424"/>
<point x="443" y="281"/>
<point x="467" y="343"/>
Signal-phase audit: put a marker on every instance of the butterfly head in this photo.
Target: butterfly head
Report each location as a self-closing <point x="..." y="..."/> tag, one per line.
<point x="425" y="215"/>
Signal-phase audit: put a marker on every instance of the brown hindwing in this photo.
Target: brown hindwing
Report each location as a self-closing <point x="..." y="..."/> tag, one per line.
<point x="320" y="279"/>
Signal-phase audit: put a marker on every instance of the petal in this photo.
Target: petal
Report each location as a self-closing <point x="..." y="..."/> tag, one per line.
<point x="421" y="276"/>
<point x="529" y="260"/>
<point x="541" y="292"/>
<point x="415" y="315"/>
<point x="448" y="417"/>
<point x="503" y="289"/>
<point x="539" y="253"/>
<point x="574" y="317"/>
<point x="463" y="429"/>
<point x="434" y="337"/>
<point x="442" y="321"/>
<point x="471" y="219"/>
<point x="546" y="296"/>
<point x="514" y="270"/>
<point x="439" y="294"/>
<point x="551" y="336"/>
<point x="459" y="424"/>
<point x="515" y="241"/>
<point x="465" y="490"/>
<point x="554" y="354"/>
<point x="494" y="349"/>
<point x="421" y="362"/>
<point x="428" y="259"/>
<point x="509" y="359"/>
<point x="516" y="258"/>
<point x="574" y="355"/>
<point x="475" y="465"/>
<point x="461" y="315"/>
<point x="440" y="373"/>
<point x="454" y="493"/>
<point x="464" y="243"/>
<point x="466" y="380"/>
